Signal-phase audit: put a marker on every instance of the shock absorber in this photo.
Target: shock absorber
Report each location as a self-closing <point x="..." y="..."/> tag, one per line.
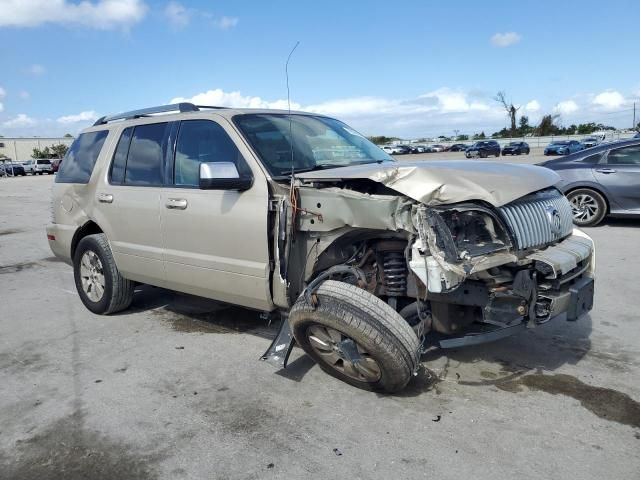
<point x="394" y="267"/>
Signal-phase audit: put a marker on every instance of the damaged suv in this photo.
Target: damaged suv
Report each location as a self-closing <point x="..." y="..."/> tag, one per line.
<point x="368" y="261"/>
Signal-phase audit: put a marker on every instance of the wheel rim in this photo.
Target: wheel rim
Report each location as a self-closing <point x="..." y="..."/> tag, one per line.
<point x="585" y="207"/>
<point x="92" y="276"/>
<point x="328" y="343"/>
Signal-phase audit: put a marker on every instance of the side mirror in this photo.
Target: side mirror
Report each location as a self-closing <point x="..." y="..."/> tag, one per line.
<point x="223" y="176"/>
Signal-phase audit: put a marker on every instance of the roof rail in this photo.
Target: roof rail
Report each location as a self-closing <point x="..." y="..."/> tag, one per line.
<point x="181" y="107"/>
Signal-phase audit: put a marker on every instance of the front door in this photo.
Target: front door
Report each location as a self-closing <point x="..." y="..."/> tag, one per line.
<point x="619" y="173"/>
<point x="215" y="241"/>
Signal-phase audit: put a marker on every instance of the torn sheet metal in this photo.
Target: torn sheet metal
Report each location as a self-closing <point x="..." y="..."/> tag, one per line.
<point x="566" y="255"/>
<point x="327" y="209"/>
<point x="445" y="182"/>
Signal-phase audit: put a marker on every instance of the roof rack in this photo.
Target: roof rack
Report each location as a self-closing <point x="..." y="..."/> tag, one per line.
<point x="180" y="107"/>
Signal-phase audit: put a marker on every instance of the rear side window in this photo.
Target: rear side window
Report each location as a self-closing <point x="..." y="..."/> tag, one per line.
<point x="81" y="158"/>
<point x="120" y="157"/>
<point x="146" y="152"/>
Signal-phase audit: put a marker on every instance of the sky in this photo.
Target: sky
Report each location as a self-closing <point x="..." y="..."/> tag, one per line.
<point x="403" y="68"/>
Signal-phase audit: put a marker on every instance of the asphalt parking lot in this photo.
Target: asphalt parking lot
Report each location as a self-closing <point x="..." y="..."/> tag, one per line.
<point x="173" y="388"/>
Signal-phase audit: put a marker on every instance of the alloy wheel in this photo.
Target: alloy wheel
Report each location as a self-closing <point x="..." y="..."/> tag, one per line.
<point x="92" y="276"/>
<point x="338" y="350"/>
<point x="584" y="207"/>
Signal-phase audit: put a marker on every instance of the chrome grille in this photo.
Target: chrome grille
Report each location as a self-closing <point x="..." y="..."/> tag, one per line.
<point x="538" y="219"/>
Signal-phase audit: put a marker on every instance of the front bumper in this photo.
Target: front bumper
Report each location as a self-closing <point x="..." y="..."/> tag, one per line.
<point x="554" y="282"/>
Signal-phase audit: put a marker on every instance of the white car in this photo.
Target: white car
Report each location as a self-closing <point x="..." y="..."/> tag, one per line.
<point x="437" y="148"/>
<point x="392" y="149"/>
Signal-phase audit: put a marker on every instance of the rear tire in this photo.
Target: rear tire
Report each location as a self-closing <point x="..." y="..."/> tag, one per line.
<point x="101" y="287"/>
<point x="387" y="344"/>
<point x="589" y="207"/>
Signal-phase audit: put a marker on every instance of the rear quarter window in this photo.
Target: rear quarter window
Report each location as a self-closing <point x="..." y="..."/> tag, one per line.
<point x="79" y="161"/>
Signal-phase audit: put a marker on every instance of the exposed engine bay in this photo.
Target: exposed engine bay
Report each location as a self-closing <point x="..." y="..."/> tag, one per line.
<point x="458" y="273"/>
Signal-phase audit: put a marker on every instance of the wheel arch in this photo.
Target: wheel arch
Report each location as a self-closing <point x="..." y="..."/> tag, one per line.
<point x="89" y="228"/>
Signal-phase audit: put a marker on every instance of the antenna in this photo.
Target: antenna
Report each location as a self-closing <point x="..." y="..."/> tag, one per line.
<point x="286" y="72"/>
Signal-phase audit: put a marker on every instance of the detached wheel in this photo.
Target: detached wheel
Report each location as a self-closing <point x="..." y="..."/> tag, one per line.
<point x="588" y="206"/>
<point x="101" y="287"/>
<point x="356" y="337"/>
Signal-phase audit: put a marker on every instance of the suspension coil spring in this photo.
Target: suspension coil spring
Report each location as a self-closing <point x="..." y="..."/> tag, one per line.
<point x="395" y="273"/>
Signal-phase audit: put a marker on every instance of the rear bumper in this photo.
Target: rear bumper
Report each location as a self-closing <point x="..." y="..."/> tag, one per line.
<point x="60" y="238"/>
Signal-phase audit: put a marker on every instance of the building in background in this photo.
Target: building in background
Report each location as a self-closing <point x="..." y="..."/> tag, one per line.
<point x="20" y="149"/>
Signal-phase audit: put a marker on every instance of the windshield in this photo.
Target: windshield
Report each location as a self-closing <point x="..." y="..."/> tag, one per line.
<point x="561" y="143"/>
<point x="318" y="142"/>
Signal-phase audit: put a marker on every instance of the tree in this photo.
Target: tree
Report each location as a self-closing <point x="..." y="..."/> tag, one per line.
<point x="462" y="138"/>
<point x="68" y="135"/>
<point x="59" y="150"/>
<point x="381" y="139"/>
<point x="479" y="136"/>
<point x="44" y="153"/>
<point x="510" y="108"/>
<point x="547" y="126"/>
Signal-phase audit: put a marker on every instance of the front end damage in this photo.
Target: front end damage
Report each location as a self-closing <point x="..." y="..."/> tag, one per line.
<point x="460" y="273"/>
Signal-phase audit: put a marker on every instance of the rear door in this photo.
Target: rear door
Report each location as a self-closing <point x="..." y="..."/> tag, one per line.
<point x="128" y="201"/>
<point x="619" y="173"/>
<point x="215" y="241"/>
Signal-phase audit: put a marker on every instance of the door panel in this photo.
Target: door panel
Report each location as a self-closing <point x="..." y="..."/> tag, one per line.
<point x="215" y="241"/>
<point x="620" y="175"/>
<point x="131" y="222"/>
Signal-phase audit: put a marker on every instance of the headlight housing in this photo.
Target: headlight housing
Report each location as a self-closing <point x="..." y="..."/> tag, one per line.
<point x="465" y="232"/>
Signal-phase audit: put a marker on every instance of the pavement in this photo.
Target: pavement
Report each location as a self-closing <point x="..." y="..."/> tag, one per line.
<point x="173" y="388"/>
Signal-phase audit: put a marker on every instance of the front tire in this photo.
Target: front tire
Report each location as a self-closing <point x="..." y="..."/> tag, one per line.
<point x="350" y="319"/>
<point x="101" y="287"/>
<point x="588" y="206"/>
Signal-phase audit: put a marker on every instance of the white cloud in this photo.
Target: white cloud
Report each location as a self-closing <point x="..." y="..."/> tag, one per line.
<point x="101" y="14"/>
<point x="438" y="111"/>
<point x="21" y="120"/>
<point x="220" y="98"/>
<point x="533" y="106"/>
<point x="1" y="107"/>
<point x="566" y="107"/>
<point x="506" y="39"/>
<point x="87" y="116"/>
<point x="3" y="93"/>
<point x="609" y="100"/>
<point x="178" y="16"/>
<point x="225" y="23"/>
<point x="36" y="70"/>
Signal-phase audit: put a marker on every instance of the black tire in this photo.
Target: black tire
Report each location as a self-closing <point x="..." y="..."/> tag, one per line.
<point x="369" y="322"/>
<point x="498" y="154"/>
<point x="598" y="200"/>
<point x="118" y="291"/>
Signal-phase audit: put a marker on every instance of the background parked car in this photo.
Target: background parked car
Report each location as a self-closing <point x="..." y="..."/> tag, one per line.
<point x="458" y="147"/>
<point x="12" y="169"/>
<point x="516" y="148"/>
<point x="483" y="149"/>
<point x="393" y="149"/>
<point x="38" y="166"/>
<point x="438" y="148"/>
<point x="589" y="142"/>
<point x="602" y="180"/>
<point x="55" y="164"/>
<point x="563" y="147"/>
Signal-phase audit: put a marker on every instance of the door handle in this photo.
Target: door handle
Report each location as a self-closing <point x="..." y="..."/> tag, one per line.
<point x="605" y="170"/>
<point x="105" y="198"/>
<point x="176" y="204"/>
